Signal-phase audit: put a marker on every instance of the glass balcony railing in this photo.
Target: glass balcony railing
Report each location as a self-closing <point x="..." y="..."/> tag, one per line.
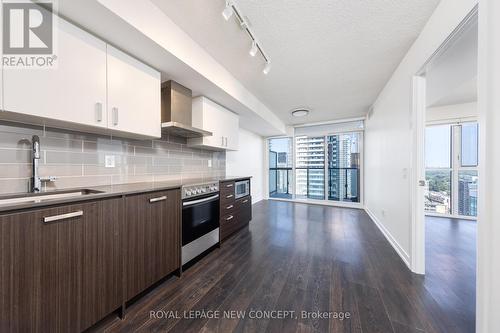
<point x="279" y="183"/>
<point x="310" y="183"/>
<point x="343" y="184"/>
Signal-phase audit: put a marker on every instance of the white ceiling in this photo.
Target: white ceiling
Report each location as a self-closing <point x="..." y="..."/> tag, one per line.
<point x="333" y="56"/>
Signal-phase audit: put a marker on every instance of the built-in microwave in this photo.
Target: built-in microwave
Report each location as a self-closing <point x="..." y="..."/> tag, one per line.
<point x="242" y="189"/>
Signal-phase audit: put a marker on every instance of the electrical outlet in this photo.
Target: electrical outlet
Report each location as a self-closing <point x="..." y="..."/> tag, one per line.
<point x="109" y="161"/>
<point x="209" y="163"/>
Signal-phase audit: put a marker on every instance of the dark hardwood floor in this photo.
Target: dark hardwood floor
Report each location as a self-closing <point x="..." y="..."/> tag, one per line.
<point x="451" y="268"/>
<point x="298" y="257"/>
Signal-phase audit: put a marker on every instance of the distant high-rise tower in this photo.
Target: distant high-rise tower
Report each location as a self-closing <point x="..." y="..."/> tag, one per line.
<point x="310" y="167"/>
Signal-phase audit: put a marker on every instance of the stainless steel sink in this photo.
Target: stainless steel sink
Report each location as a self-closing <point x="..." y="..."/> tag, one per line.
<point x="41" y="197"/>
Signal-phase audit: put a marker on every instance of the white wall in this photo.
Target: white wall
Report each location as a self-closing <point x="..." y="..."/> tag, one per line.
<point x="488" y="242"/>
<point x="248" y="161"/>
<point x="452" y="113"/>
<point x="388" y="134"/>
<point x="451" y="79"/>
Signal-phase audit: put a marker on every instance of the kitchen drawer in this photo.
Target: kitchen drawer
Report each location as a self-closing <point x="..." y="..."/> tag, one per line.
<point x="226" y="199"/>
<point x="244" y="211"/>
<point x="228" y="227"/>
<point x="228" y="208"/>
<point x="228" y="219"/>
<point x="226" y="188"/>
<point x="244" y="203"/>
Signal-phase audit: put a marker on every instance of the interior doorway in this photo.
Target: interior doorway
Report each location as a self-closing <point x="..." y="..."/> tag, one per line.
<point x="446" y="135"/>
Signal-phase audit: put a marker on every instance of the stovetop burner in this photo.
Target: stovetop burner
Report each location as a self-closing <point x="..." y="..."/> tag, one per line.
<point x="195" y="190"/>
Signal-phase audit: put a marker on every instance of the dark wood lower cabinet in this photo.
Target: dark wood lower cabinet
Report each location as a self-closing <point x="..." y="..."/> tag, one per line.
<point x="235" y="213"/>
<point x="152" y="244"/>
<point x="63" y="275"/>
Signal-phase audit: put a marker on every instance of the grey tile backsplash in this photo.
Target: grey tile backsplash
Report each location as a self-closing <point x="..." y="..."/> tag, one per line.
<point x="78" y="159"/>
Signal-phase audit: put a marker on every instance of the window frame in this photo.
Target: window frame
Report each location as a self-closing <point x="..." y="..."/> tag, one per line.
<point x="456" y="167"/>
<point x="325" y="201"/>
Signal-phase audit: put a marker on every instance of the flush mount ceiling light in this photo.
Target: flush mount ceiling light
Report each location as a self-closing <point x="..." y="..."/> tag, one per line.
<point x="300" y="112"/>
<point x="230" y="9"/>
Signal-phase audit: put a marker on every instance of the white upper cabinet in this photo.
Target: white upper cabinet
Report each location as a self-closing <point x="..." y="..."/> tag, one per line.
<point x="213" y="117"/>
<point x="94" y="87"/>
<point x="74" y="91"/>
<point x="134" y="101"/>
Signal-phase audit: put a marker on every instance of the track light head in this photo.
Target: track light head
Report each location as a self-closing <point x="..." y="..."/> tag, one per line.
<point x="254" y="49"/>
<point x="267" y="68"/>
<point x="228" y="11"/>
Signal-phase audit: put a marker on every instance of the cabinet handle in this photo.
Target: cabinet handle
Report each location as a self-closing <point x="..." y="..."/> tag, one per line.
<point x="222" y="144"/>
<point x="62" y="216"/>
<point x="98" y="112"/>
<point x="245" y="201"/>
<point x="115" y="116"/>
<point x="153" y="200"/>
<point x="229" y="196"/>
<point x="229" y="207"/>
<point x="229" y="185"/>
<point x="229" y="218"/>
<point x="226" y="141"/>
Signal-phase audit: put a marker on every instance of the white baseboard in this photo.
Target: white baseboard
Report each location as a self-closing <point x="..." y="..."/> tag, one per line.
<point x="394" y="243"/>
<point x="321" y="203"/>
<point x="257" y="199"/>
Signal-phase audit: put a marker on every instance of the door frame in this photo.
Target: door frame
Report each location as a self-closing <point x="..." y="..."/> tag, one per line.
<point x="418" y="123"/>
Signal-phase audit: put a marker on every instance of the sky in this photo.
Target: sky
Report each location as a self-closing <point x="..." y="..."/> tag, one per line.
<point x="438" y="145"/>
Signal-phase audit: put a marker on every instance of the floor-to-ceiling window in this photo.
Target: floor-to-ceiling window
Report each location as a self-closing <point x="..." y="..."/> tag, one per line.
<point x="344" y="167"/>
<point x="438" y="166"/>
<point x="467" y="164"/>
<point x="451" y="157"/>
<point x="310" y="167"/>
<point x="280" y="168"/>
<point x="327" y="163"/>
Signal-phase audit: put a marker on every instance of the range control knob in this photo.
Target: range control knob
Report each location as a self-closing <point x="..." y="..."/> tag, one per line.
<point x="198" y="190"/>
<point x="188" y="192"/>
<point x="203" y="190"/>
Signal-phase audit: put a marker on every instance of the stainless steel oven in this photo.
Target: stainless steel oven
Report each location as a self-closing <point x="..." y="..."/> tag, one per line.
<point x="242" y="188"/>
<point x="200" y="219"/>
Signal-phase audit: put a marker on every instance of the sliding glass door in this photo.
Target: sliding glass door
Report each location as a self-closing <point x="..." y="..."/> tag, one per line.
<point x="280" y="168"/>
<point x="344" y="167"/>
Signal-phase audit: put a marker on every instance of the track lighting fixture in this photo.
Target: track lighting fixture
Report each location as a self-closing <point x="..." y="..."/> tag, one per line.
<point x="228" y="11"/>
<point x="254" y="49"/>
<point x="232" y="8"/>
<point x="267" y="68"/>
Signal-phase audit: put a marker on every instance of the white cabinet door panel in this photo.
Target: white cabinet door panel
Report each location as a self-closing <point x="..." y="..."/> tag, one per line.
<point x="73" y="91"/>
<point x="232" y="131"/>
<point x="134" y="103"/>
<point x="213" y="117"/>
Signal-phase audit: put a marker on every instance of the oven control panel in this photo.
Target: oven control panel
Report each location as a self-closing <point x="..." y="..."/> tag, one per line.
<point x="191" y="191"/>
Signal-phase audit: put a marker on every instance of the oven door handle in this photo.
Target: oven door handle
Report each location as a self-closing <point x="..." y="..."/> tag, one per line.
<point x="194" y="202"/>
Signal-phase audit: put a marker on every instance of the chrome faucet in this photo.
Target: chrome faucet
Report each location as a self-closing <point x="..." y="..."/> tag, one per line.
<point x="36" y="180"/>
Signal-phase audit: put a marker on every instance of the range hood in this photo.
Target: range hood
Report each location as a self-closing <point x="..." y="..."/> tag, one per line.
<point x="176" y="111"/>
